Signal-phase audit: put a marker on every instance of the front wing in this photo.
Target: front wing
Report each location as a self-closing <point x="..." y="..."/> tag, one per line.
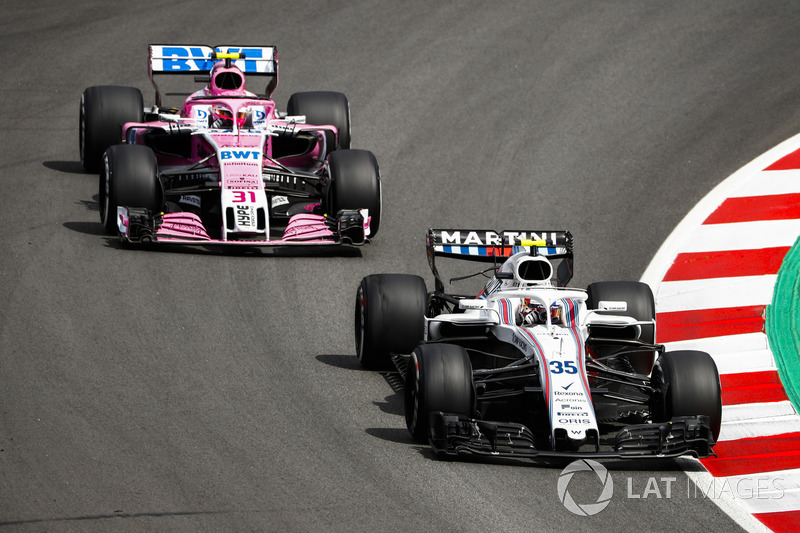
<point x="457" y="434"/>
<point x="139" y="225"/>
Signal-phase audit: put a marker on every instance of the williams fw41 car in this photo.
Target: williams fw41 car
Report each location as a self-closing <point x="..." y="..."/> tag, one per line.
<point x="226" y="167"/>
<point x="529" y="367"/>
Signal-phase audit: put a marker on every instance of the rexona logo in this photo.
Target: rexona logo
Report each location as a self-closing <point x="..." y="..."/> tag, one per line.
<point x="585" y="509"/>
<point x="240" y="155"/>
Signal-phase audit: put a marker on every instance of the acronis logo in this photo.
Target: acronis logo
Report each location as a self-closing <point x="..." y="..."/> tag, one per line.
<point x="240" y="155"/>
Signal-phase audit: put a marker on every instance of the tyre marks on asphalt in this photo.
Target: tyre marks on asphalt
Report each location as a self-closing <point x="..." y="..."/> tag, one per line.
<point x="713" y="280"/>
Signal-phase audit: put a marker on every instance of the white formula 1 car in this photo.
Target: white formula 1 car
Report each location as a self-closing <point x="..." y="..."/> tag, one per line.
<point x="529" y="367"/>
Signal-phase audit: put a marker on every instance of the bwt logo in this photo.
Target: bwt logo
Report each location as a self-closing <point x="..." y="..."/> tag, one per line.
<point x="240" y="154"/>
<point x="194" y="54"/>
<point x="197" y="58"/>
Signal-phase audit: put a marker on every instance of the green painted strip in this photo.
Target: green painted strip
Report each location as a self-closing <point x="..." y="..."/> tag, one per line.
<point x="783" y="324"/>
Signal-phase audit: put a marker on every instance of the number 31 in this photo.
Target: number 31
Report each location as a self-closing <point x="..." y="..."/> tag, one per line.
<point x="240" y="196"/>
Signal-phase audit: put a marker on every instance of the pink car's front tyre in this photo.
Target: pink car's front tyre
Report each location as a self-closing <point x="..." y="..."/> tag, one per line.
<point x="355" y="183"/>
<point x="129" y="178"/>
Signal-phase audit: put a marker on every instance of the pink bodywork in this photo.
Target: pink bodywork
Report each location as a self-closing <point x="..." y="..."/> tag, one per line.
<point x="187" y="228"/>
<point x="194" y="116"/>
<point x="240" y="174"/>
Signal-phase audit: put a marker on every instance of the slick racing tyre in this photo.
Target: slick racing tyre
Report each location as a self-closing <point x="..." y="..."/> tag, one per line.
<point x="355" y="183"/>
<point x="438" y="378"/>
<point x="640" y="306"/>
<point x="128" y="177"/>
<point x="104" y="110"/>
<point x="324" y="108"/>
<point x="686" y="383"/>
<point x="389" y="317"/>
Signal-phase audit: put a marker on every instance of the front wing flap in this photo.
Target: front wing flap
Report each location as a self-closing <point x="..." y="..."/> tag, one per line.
<point x="453" y="434"/>
<point x="139" y="225"/>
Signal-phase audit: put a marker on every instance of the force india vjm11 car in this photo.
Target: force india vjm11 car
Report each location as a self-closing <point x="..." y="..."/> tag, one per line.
<point x="227" y="167"/>
<point x="530" y="367"/>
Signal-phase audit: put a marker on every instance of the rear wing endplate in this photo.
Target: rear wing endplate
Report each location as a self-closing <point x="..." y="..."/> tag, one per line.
<point x="493" y="246"/>
<point x="199" y="59"/>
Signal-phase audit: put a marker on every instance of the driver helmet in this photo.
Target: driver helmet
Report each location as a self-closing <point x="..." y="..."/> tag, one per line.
<point x="222" y="117"/>
<point x="556" y="314"/>
<point x="531" y="312"/>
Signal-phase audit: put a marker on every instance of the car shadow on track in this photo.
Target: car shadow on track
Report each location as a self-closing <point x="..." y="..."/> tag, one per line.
<point x="69" y="167"/>
<point x="87" y="228"/>
<point x="346" y="362"/>
<point x="393" y="404"/>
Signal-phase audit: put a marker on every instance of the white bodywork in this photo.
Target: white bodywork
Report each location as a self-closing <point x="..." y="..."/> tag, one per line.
<point x="558" y="348"/>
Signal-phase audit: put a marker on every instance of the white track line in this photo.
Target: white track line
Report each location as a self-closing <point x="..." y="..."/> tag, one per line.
<point x="760" y="493"/>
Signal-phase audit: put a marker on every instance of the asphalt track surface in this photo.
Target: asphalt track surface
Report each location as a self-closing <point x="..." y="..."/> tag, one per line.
<point x="193" y="391"/>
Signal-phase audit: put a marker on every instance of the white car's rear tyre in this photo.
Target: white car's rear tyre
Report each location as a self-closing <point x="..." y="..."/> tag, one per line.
<point x="389" y="317"/>
<point x="640" y="303"/>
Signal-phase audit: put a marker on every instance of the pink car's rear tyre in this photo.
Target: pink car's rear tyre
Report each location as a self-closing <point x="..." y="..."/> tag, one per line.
<point x="324" y="108"/>
<point x="103" y="111"/>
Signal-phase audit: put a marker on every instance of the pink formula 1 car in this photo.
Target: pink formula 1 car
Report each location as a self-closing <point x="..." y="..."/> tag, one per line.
<point x="226" y="167"/>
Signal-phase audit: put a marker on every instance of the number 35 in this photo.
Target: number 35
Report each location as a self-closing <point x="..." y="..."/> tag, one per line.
<point x="568" y="367"/>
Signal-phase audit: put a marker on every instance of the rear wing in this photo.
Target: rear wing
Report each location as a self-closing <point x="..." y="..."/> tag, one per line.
<point x="198" y="59"/>
<point x="493" y="246"/>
